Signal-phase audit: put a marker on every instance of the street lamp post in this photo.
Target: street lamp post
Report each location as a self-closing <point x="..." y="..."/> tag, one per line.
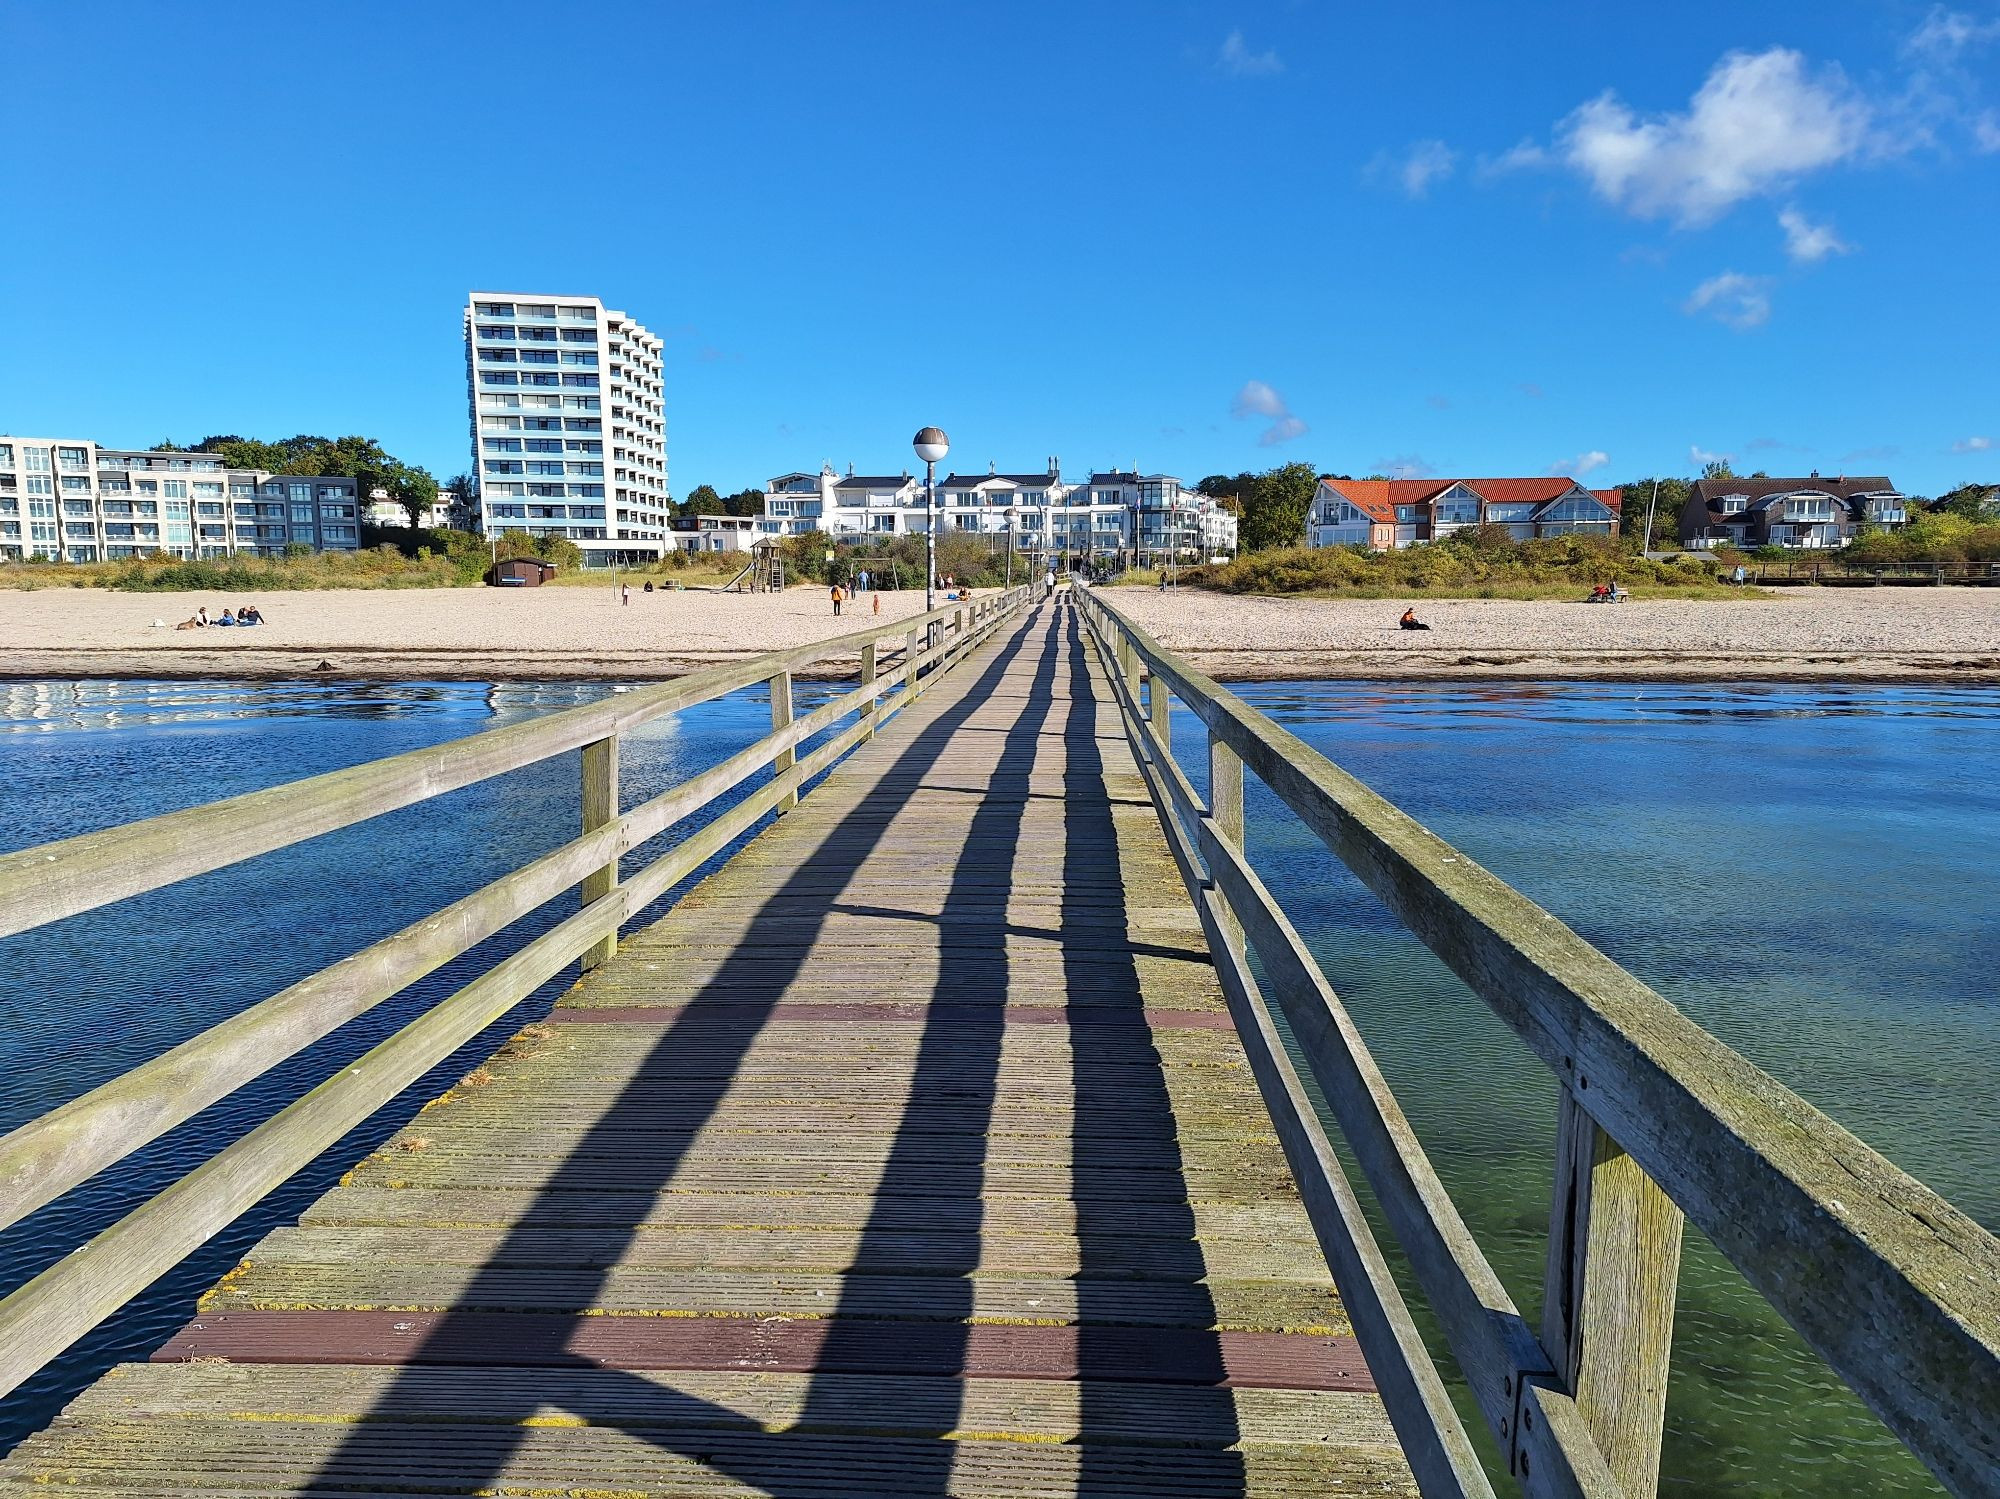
<point x="1010" y="547"/>
<point x="931" y="445"/>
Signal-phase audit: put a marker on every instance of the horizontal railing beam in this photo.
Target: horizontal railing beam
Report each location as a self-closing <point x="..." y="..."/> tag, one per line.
<point x="57" y="880"/>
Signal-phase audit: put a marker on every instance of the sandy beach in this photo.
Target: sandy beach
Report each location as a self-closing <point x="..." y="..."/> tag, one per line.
<point x="1949" y="634"/>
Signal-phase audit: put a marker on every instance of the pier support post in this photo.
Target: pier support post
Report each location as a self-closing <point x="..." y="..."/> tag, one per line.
<point x="781" y="717"/>
<point x="1225" y="807"/>
<point x="873" y="712"/>
<point x="600" y="805"/>
<point x="1608" y="1318"/>
<point x="1159" y="707"/>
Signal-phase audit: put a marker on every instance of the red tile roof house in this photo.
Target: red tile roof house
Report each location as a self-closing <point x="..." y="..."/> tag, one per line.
<point x="1810" y="513"/>
<point x="1385" y="513"/>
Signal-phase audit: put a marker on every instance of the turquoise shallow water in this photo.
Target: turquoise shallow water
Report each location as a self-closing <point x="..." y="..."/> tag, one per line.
<point x="1807" y="871"/>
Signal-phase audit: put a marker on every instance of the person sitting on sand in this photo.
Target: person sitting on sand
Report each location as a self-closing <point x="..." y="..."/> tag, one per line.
<point x="1409" y="621"/>
<point x="228" y="619"/>
<point x="201" y="616"/>
<point x="1613" y="596"/>
<point x="249" y="614"/>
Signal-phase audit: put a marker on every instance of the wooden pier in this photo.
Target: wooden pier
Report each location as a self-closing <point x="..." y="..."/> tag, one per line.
<point x="942" y="1142"/>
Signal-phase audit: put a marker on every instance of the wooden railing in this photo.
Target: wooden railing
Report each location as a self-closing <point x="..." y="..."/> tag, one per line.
<point x="1896" y="1289"/>
<point x="47" y="1157"/>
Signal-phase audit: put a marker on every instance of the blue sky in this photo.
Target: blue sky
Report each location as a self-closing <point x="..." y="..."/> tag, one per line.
<point x="1200" y="237"/>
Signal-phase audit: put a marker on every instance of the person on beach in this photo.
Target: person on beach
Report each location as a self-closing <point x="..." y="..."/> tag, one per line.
<point x="201" y="616"/>
<point x="624" y="593"/>
<point x="228" y="620"/>
<point x="1409" y="621"/>
<point x="838" y="595"/>
<point x="878" y="603"/>
<point x="649" y="585"/>
<point x="862" y="581"/>
<point x="249" y="614"/>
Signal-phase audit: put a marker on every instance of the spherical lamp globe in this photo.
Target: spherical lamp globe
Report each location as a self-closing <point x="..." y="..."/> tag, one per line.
<point x="931" y="445"/>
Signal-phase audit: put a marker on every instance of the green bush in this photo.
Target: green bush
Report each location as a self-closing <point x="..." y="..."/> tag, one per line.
<point x="1483" y="562"/>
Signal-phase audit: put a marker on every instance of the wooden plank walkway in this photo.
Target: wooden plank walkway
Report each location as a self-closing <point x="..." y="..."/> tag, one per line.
<point x="911" y="1155"/>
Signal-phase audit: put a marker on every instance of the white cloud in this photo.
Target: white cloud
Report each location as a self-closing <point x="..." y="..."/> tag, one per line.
<point x="1986" y="131"/>
<point x="1415" y="168"/>
<point x="1945" y="34"/>
<point x="1758" y="123"/>
<point x="1256" y="399"/>
<point x="1238" y="61"/>
<point x="1700" y="457"/>
<point x="1523" y="156"/>
<point x="1973" y="445"/>
<point x="1806" y="241"/>
<point x="1581" y="464"/>
<point x="1733" y="299"/>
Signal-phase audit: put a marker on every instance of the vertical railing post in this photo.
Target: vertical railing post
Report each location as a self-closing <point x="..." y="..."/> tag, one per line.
<point x="909" y="665"/>
<point x="600" y="806"/>
<point x="1225" y="809"/>
<point x="873" y="712"/>
<point x="1159" y="707"/>
<point x="781" y="717"/>
<point x="1608" y="1311"/>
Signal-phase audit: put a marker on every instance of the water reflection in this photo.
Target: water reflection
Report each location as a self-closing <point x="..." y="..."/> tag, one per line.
<point x="1806" y="870"/>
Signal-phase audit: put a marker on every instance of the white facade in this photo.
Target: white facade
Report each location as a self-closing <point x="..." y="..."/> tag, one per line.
<point x="569" y="428"/>
<point x="69" y="499"/>
<point x="1093" y="519"/>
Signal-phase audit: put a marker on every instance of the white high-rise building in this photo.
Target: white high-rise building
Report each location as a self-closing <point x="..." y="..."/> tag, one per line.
<point x="569" y="427"/>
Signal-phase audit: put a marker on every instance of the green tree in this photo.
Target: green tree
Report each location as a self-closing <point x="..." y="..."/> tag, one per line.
<point x="411" y="487"/>
<point x="1276" y="505"/>
<point x="1973" y="502"/>
<point x="702" y="500"/>
<point x="744" y="502"/>
<point x="1717" y="468"/>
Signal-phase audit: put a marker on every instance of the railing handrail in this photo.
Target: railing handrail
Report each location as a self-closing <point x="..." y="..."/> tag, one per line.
<point x="1896" y="1289"/>
<point x="68" y="1145"/>
<point x="54" y="880"/>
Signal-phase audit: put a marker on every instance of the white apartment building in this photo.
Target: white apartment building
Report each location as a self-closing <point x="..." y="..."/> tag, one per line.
<point x="569" y="427"/>
<point x="68" y="499"/>
<point x="1093" y="520"/>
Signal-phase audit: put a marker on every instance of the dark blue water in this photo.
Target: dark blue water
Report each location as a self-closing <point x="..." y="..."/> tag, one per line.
<point x="1809" y="872"/>
<point x="91" y="997"/>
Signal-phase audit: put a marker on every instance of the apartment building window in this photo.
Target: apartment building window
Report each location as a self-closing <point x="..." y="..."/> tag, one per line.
<point x="583" y="445"/>
<point x="586" y="382"/>
<point x="544" y="444"/>
<point x="538" y="356"/>
<point x="590" y="470"/>
<point x="539" y="402"/>
<point x="498" y="331"/>
<point x="206" y="466"/>
<point x="540" y="467"/>
<point x="588" y="491"/>
<point x="498" y="377"/>
<point x="40" y="484"/>
<point x="177" y="465"/>
<point x="537" y="309"/>
<point x="496" y="309"/>
<point x="546" y="491"/>
<point x="205" y="489"/>
<point x="582" y="403"/>
<point x="74" y="485"/>
<point x="540" y="379"/>
<point x="582" y="424"/>
<point x="6" y="455"/>
<point x="301" y="494"/>
<point x="579" y="335"/>
<point x="242" y="491"/>
<point x="501" y="444"/>
<point x="501" y="423"/>
<point x="35" y="460"/>
<point x="501" y="465"/>
<point x="72" y="457"/>
<point x="585" y="314"/>
<point x="176" y="489"/>
<point x="336" y="512"/>
<point x="497" y="356"/>
<point x="335" y="492"/>
<point x="302" y="515"/>
<point x="579" y="358"/>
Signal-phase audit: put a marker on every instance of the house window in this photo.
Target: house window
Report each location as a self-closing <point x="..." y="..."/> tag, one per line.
<point x="1732" y="504"/>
